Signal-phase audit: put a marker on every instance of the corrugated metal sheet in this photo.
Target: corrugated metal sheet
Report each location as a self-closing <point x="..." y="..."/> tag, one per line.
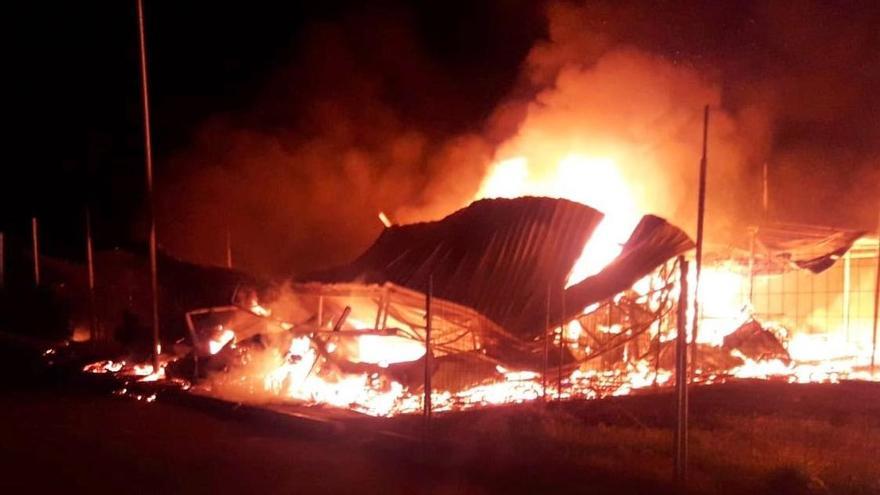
<point x="500" y="256"/>
<point x="497" y="256"/>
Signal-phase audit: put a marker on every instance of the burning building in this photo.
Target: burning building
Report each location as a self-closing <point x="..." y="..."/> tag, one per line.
<point x="481" y="308"/>
<point x="498" y="277"/>
<point x="529" y="293"/>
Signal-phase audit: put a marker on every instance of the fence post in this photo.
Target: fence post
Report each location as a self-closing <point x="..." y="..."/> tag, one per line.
<point x="90" y="261"/>
<point x="561" y="345"/>
<point x="429" y="296"/>
<point x="681" y="381"/>
<point x="2" y="263"/>
<point x="35" y="240"/>
<point x="547" y="334"/>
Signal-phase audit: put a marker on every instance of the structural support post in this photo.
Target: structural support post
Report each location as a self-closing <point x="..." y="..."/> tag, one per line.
<point x="148" y="163"/>
<point x="753" y="233"/>
<point x="876" y="308"/>
<point x="681" y="381"/>
<point x="35" y="242"/>
<point x="561" y="345"/>
<point x="547" y="334"/>
<point x="429" y="297"/>
<point x="2" y="262"/>
<point x="847" y="282"/>
<point x="228" y="248"/>
<point x="701" y="213"/>
<point x="90" y="262"/>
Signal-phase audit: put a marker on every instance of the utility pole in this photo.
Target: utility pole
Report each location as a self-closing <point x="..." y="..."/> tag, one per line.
<point x="701" y="213"/>
<point x="2" y="262"/>
<point x="876" y="303"/>
<point x="35" y="242"/>
<point x="90" y="261"/>
<point x="228" y="248"/>
<point x="148" y="163"/>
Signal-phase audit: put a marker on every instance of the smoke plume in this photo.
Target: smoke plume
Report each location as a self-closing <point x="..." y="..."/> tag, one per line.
<point x="365" y="120"/>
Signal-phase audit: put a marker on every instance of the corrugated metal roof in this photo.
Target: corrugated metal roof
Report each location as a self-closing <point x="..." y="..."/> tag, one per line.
<point x="500" y="256"/>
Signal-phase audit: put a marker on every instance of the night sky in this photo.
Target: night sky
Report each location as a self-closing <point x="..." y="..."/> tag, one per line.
<point x="224" y="70"/>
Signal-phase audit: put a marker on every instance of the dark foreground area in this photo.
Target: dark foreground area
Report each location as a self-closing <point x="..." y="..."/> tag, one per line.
<point x="62" y="434"/>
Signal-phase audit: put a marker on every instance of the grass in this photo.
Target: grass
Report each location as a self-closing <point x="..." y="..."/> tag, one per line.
<point x="777" y="454"/>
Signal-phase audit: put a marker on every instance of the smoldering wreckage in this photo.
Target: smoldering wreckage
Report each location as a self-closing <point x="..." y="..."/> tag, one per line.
<point x="479" y="308"/>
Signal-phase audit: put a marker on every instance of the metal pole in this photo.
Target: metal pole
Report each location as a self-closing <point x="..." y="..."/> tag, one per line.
<point x="847" y="269"/>
<point x="428" y="314"/>
<point x="701" y="213"/>
<point x="765" y="196"/>
<point x="90" y="261"/>
<point x="148" y="162"/>
<point x="681" y="388"/>
<point x="561" y="346"/>
<point x="35" y="239"/>
<point x="753" y="232"/>
<point x="547" y="334"/>
<point x="2" y="263"/>
<point x="228" y="249"/>
<point x="876" y="306"/>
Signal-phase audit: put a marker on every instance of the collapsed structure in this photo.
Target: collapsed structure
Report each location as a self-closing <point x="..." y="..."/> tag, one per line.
<point x="497" y="273"/>
<point x="506" y="321"/>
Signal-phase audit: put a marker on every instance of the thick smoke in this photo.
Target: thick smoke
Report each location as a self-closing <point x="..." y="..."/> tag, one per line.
<point x="365" y="120"/>
<point x="299" y="181"/>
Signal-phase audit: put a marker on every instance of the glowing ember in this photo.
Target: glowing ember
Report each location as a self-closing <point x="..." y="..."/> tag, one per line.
<point x="384" y="219"/>
<point x="141" y="371"/>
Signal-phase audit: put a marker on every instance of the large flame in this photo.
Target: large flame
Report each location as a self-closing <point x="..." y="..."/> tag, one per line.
<point x="306" y="368"/>
<point x="593" y="181"/>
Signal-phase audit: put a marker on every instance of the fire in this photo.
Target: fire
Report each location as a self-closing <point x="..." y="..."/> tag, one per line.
<point x="216" y="344"/>
<point x="384" y="219"/>
<point x="593" y="181"/>
<point x="321" y="362"/>
<point x="300" y="377"/>
<point x="141" y="371"/>
<point x="385" y="350"/>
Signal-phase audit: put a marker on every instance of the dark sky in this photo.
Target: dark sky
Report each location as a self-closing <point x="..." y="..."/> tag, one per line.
<point x="76" y="103"/>
<point x="225" y="72"/>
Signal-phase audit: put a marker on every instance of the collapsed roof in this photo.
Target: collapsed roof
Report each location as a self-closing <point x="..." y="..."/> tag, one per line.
<point x="501" y="256"/>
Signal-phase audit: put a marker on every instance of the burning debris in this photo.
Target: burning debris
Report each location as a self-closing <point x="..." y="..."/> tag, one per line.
<point x="509" y="322"/>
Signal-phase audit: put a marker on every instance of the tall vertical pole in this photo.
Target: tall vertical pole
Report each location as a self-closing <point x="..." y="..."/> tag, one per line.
<point x="35" y="242"/>
<point x="753" y="234"/>
<point x="765" y="192"/>
<point x="429" y="297"/>
<point x="148" y="162"/>
<point x="701" y="214"/>
<point x="681" y="381"/>
<point x="547" y="333"/>
<point x="847" y="282"/>
<point x="876" y="304"/>
<point x="561" y="345"/>
<point x="90" y="262"/>
<point x="228" y="248"/>
<point x="2" y="262"/>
